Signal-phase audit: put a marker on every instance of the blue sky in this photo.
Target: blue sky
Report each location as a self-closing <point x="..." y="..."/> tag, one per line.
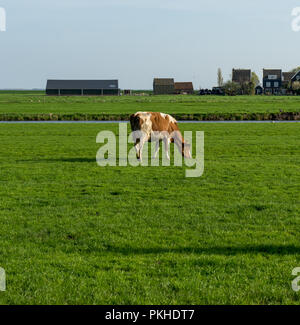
<point x="136" y="40"/>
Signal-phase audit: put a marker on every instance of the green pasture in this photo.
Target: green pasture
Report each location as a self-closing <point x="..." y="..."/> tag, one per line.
<point x="72" y="232"/>
<point x="31" y="102"/>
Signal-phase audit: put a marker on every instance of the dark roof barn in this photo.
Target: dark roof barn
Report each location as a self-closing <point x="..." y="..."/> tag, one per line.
<point x="82" y="87"/>
<point x="163" y="86"/>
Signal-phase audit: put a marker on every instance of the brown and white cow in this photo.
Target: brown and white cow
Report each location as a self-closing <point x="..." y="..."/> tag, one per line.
<point x="157" y="127"/>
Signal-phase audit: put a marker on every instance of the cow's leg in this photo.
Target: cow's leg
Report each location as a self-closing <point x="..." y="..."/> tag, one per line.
<point x="156" y="149"/>
<point x="137" y="148"/>
<point x="142" y="142"/>
<point x="166" y="143"/>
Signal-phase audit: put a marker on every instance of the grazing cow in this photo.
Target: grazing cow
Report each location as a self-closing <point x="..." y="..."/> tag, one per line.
<point x="157" y="127"/>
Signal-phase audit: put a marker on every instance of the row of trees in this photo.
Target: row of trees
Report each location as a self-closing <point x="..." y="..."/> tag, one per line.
<point x="232" y="88"/>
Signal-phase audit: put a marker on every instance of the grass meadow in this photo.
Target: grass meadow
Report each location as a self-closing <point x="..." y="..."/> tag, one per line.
<point x="76" y="233"/>
<point x="35" y="102"/>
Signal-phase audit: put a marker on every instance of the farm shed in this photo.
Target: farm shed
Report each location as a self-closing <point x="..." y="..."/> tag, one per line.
<point x="82" y="87"/>
<point x="163" y="86"/>
<point x="259" y="90"/>
<point x="241" y="76"/>
<point x="184" y="88"/>
<point x="127" y="92"/>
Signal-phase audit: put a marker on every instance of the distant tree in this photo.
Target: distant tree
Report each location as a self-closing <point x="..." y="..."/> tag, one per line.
<point x="248" y="88"/>
<point x="295" y="70"/>
<point x="296" y="87"/>
<point x="287" y="86"/>
<point x="220" y="78"/>
<point x="255" y="79"/>
<point x="232" y="88"/>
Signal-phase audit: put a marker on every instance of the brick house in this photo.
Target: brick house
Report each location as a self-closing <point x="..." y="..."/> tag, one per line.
<point x="184" y="88"/>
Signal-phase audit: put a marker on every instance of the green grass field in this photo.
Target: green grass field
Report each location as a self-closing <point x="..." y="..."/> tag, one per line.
<point x="37" y="103"/>
<point x="76" y="233"/>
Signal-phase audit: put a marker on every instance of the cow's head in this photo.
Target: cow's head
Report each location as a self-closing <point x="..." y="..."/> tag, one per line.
<point x="135" y="122"/>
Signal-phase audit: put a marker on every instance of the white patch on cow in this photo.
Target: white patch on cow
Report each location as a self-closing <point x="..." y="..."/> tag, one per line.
<point x="171" y="118"/>
<point x="146" y="125"/>
<point x="142" y="114"/>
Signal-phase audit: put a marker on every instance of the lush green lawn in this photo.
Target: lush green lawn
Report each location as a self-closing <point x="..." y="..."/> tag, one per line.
<point x="75" y="233"/>
<point x="38" y="103"/>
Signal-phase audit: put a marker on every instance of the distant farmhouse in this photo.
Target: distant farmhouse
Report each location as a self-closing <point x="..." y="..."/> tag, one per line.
<point x="259" y="90"/>
<point x="286" y="78"/>
<point x="296" y="77"/>
<point x="241" y="76"/>
<point x="167" y="86"/>
<point x="163" y="86"/>
<point x="184" y="88"/>
<point x="82" y="87"/>
<point x="277" y="82"/>
<point x="245" y="82"/>
<point x="272" y="81"/>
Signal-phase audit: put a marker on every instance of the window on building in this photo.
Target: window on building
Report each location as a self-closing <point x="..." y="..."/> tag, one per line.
<point x="276" y="84"/>
<point x="268" y="84"/>
<point x="272" y="76"/>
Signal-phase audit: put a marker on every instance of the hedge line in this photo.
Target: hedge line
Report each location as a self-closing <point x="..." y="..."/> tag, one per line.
<point x="283" y="116"/>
